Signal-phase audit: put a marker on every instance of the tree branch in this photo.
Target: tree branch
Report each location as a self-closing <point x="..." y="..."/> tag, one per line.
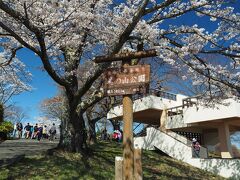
<point x="40" y="37"/>
<point x="18" y="38"/>
<point x="122" y="39"/>
<point x="14" y="51"/>
<point x="159" y="6"/>
<point x="176" y="15"/>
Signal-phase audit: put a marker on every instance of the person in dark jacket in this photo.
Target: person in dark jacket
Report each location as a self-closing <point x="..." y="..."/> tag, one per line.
<point x="27" y="129"/>
<point x="19" y="128"/>
<point x="40" y="132"/>
<point x="35" y="131"/>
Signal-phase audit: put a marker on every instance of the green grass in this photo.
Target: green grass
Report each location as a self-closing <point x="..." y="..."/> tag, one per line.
<point x="100" y="166"/>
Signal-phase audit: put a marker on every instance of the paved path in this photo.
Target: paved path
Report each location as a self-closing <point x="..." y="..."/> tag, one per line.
<point x="13" y="150"/>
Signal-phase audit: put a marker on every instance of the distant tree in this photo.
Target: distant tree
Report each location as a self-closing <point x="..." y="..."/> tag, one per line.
<point x="15" y="114"/>
<point x="69" y="33"/>
<point x="55" y="108"/>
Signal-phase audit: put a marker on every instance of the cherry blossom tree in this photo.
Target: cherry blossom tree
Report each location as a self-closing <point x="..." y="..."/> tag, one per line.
<point x="66" y="34"/>
<point x="14" y="78"/>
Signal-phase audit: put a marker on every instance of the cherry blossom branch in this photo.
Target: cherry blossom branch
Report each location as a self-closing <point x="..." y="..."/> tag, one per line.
<point x="40" y="37"/>
<point x="201" y="72"/>
<point x="174" y="15"/>
<point x="122" y="39"/>
<point x="159" y="6"/>
<point x="18" y="38"/>
<point x="13" y="55"/>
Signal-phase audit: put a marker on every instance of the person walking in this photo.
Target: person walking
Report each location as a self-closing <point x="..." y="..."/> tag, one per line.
<point x="196" y="148"/>
<point x="19" y="129"/>
<point x="14" y="130"/>
<point x="31" y="131"/>
<point x="45" y="134"/>
<point x="27" y="129"/>
<point x="35" y="131"/>
<point x="39" y="132"/>
<point x="52" y="132"/>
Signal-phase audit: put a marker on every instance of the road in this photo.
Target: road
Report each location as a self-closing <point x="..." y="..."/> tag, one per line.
<point x="13" y="150"/>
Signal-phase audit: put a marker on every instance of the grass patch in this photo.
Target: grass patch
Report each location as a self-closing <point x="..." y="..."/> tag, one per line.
<point x="100" y="166"/>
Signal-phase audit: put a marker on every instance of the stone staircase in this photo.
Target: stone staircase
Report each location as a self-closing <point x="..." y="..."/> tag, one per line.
<point x="178" y="147"/>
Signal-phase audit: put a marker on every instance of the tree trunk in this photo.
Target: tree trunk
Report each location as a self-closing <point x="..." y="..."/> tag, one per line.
<point x="73" y="133"/>
<point x="63" y="129"/>
<point x="78" y="133"/>
<point x="92" y="132"/>
<point x="1" y="113"/>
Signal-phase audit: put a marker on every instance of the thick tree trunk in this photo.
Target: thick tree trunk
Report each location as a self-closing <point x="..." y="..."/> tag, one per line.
<point x="78" y="133"/>
<point x="63" y="130"/>
<point x="73" y="133"/>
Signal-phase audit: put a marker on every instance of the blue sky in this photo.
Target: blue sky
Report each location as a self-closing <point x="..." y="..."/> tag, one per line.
<point x="43" y="86"/>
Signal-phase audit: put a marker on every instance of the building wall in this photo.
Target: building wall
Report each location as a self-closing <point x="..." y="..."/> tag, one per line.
<point x="211" y="140"/>
<point x="200" y="113"/>
<point x="149" y="102"/>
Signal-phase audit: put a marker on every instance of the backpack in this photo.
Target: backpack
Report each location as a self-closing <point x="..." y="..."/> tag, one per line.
<point x="52" y="132"/>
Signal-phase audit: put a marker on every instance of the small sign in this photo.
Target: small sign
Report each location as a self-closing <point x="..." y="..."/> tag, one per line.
<point x="127" y="80"/>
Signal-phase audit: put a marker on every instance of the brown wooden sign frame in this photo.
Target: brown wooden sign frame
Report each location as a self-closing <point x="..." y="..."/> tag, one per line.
<point x="127" y="80"/>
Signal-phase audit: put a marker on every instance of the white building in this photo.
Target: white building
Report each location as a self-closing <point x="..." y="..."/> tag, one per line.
<point x="177" y="119"/>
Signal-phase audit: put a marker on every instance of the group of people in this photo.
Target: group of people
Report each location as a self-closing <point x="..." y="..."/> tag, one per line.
<point x="41" y="132"/>
<point x="37" y="131"/>
<point x="116" y="136"/>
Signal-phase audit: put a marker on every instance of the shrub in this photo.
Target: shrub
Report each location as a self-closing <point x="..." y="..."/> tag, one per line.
<point x="6" y="127"/>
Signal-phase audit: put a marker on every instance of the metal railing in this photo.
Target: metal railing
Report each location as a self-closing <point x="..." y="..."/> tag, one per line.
<point x="177" y="110"/>
<point x="190" y="101"/>
<point x="186" y="102"/>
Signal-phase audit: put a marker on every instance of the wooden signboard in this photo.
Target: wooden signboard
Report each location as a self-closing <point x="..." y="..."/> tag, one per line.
<point x="127" y="80"/>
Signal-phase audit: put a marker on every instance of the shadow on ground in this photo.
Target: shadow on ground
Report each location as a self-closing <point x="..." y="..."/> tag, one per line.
<point x="100" y="166"/>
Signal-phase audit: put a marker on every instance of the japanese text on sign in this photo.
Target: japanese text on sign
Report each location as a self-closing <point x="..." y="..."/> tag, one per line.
<point x="127" y="80"/>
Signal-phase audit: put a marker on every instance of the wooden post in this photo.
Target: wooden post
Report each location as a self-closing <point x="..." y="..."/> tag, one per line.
<point x="128" y="152"/>
<point x="127" y="138"/>
<point x="128" y="159"/>
<point x="138" y="175"/>
<point x="118" y="168"/>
